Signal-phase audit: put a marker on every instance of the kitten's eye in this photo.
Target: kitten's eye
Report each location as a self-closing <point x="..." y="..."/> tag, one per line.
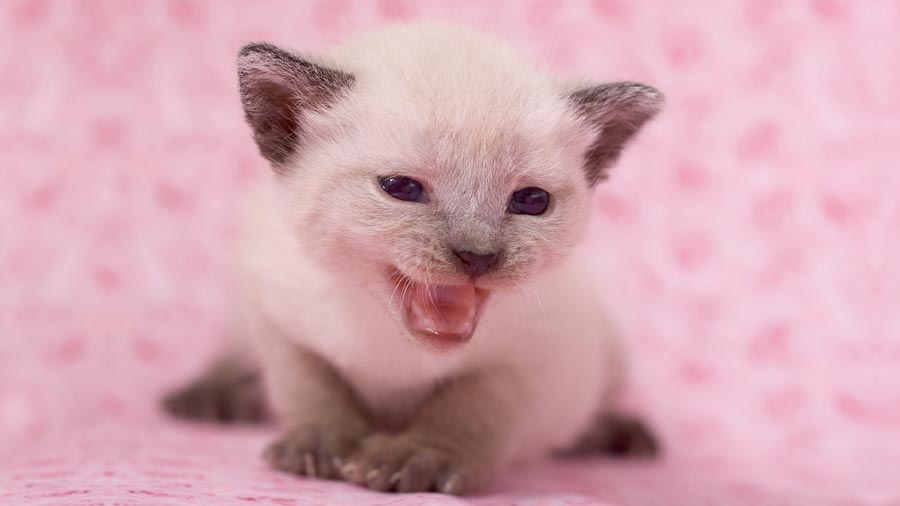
<point x="402" y="188"/>
<point x="531" y="200"/>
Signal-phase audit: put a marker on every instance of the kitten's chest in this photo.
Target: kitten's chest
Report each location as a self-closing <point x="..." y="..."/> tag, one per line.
<point x="390" y="376"/>
<point x="390" y="373"/>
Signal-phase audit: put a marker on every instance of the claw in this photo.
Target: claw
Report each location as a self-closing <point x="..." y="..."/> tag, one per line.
<point x="453" y="485"/>
<point x="309" y="463"/>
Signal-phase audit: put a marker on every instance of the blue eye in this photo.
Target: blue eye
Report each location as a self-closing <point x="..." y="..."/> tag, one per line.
<point x="402" y="188"/>
<point x="531" y="200"/>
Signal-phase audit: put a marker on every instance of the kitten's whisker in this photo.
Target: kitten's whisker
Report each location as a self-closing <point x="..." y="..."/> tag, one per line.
<point x="397" y="283"/>
<point x="537" y="296"/>
<point x="524" y="311"/>
<point x="404" y="291"/>
<point x="429" y="294"/>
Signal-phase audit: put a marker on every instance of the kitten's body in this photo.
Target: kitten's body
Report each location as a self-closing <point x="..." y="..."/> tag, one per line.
<point x="374" y="380"/>
<point x="550" y="332"/>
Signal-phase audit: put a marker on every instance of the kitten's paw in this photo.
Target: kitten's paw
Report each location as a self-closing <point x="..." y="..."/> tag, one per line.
<point x="615" y="434"/>
<point x="397" y="463"/>
<point x="228" y="397"/>
<point x="317" y="453"/>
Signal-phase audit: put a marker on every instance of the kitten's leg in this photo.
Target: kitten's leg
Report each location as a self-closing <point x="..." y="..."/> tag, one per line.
<point x="613" y="433"/>
<point x="453" y="444"/>
<point x="230" y="391"/>
<point x="324" y="421"/>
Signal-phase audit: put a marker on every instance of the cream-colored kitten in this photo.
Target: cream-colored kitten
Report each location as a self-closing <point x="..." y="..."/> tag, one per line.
<point x="413" y="284"/>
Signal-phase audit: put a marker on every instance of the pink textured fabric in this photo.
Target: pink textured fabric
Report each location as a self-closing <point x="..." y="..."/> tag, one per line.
<point x="750" y="245"/>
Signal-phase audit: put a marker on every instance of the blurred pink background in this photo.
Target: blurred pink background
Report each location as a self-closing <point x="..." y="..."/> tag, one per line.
<point x="750" y="239"/>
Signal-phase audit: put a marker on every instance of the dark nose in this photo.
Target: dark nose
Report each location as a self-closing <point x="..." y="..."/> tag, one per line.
<point x="474" y="264"/>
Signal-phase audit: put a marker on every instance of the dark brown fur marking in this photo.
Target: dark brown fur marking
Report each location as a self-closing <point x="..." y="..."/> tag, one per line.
<point x="617" y="111"/>
<point x="615" y="434"/>
<point x="225" y="394"/>
<point x="277" y="89"/>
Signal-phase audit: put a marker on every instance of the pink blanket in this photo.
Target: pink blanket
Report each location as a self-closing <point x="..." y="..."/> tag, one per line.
<point x="750" y="245"/>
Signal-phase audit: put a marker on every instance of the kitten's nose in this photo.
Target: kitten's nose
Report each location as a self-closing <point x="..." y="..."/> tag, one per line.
<point x="474" y="264"/>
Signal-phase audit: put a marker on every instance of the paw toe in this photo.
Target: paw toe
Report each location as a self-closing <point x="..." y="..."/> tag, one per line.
<point x="418" y="473"/>
<point x="313" y="453"/>
<point x="285" y="456"/>
<point x="396" y="464"/>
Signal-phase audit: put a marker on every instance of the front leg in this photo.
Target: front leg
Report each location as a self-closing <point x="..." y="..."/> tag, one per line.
<point x="454" y="443"/>
<point x="324" y="422"/>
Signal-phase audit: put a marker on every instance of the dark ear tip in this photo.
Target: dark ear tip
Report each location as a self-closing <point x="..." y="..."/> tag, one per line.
<point x="258" y="48"/>
<point x="653" y="99"/>
<point x="657" y="97"/>
<point x="632" y="96"/>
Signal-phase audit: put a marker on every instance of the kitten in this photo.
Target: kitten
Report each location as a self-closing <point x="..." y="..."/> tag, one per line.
<point x="414" y="287"/>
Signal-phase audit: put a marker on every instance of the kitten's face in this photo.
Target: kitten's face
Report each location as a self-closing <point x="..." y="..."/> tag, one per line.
<point x="482" y="207"/>
<point x="438" y="198"/>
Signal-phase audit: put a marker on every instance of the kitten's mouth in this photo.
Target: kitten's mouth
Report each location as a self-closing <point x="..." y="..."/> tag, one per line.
<point x="442" y="315"/>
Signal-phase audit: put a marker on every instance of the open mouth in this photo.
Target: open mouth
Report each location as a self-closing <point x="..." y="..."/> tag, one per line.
<point x="442" y="315"/>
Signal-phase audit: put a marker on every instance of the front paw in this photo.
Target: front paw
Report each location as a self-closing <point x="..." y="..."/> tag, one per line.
<point x="313" y="452"/>
<point x="399" y="463"/>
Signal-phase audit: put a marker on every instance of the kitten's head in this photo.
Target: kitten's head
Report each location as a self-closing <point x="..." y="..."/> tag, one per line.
<point x="433" y="165"/>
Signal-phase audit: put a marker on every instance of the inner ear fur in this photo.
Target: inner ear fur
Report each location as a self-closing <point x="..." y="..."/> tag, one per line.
<point x="278" y="88"/>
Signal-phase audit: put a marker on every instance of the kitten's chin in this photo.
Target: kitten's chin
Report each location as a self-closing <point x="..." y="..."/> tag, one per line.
<point x="441" y="317"/>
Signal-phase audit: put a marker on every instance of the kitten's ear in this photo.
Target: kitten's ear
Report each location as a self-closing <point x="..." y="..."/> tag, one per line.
<point x="616" y="111"/>
<point x="278" y="89"/>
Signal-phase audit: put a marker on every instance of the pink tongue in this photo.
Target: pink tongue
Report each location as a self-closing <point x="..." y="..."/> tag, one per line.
<point x="443" y="311"/>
